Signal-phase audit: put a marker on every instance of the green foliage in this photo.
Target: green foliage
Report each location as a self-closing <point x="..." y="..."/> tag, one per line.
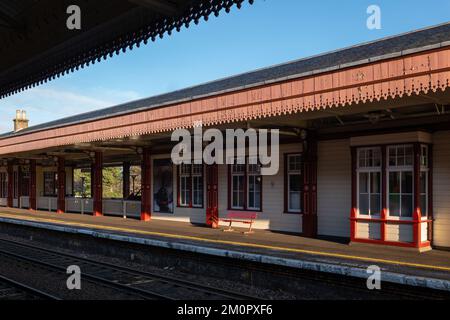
<point x="112" y="182"/>
<point x="82" y="183"/>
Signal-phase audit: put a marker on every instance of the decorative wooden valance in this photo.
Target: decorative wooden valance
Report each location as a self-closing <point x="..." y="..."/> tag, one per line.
<point x="415" y="74"/>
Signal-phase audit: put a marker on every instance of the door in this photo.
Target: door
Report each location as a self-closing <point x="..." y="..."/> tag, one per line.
<point x="212" y="196"/>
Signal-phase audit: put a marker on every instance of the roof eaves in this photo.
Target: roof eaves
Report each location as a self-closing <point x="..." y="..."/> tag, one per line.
<point x="248" y="86"/>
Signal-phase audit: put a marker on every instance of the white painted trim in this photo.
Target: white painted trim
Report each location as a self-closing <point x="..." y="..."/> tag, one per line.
<point x="392" y="138"/>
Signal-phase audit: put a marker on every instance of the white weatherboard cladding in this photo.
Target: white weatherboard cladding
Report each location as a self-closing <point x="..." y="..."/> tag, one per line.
<point x="441" y="188"/>
<point x="334" y="188"/>
<point x="368" y="230"/>
<point x="272" y="217"/>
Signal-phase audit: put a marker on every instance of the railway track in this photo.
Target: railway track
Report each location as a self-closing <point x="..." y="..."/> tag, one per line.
<point x="144" y="285"/>
<point x="13" y="290"/>
<point x="390" y="290"/>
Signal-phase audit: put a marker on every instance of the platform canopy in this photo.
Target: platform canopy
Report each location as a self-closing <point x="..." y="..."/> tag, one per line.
<point x="36" y="45"/>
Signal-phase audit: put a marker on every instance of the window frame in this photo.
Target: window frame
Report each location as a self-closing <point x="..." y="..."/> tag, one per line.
<point x="425" y="165"/>
<point x="190" y="185"/>
<point x="425" y="168"/>
<point x="54" y="175"/>
<point x="287" y="174"/>
<point x="200" y="175"/>
<point x="400" y="169"/>
<point x="183" y="179"/>
<point x="254" y="175"/>
<point x="3" y="185"/>
<point x="24" y="182"/>
<point x="246" y="186"/>
<point x="369" y="170"/>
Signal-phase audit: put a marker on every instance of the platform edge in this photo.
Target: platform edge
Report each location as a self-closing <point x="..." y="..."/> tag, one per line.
<point x="397" y="278"/>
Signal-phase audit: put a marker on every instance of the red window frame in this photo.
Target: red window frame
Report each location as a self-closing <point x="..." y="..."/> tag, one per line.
<point x="416" y="219"/>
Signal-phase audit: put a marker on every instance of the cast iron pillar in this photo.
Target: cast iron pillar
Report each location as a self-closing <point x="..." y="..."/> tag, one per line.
<point x="310" y="186"/>
<point x="126" y="179"/>
<point x="417" y="213"/>
<point x="97" y="184"/>
<point x="32" y="185"/>
<point x="10" y="173"/>
<point x="19" y="185"/>
<point x="146" y="193"/>
<point x="61" y="202"/>
<point x="212" y="196"/>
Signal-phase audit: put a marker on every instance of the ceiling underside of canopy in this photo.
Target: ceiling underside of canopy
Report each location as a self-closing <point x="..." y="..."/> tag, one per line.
<point x="36" y="45"/>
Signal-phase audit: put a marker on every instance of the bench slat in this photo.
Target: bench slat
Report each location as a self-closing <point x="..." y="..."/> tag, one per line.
<point x="242" y="215"/>
<point x="234" y="220"/>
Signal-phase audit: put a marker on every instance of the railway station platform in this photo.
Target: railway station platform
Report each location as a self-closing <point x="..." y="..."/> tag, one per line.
<point x="398" y="265"/>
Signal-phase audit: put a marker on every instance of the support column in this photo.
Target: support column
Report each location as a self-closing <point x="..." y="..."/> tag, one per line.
<point x="19" y="185"/>
<point x="417" y="214"/>
<point x="32" y="192"/>
<point x="384" y="191"/>
<point x="10" y="173"/>
<point x="146" y="178"/>
<point x="97" y="184"/>
<point x="430" y="194"/>
<point x="126" y="179"/>
<point x="353" y="222"/>
<point x="92" y="181"/>
<point x="61" y="203"/>
<point x="310" y="186"/>
<point x="212" y="196"/>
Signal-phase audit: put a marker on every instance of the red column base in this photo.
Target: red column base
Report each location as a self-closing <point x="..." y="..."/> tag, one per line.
<point x="309" y="225"/>
<point x="97" y="214"/>
<point x="145" y="217"/>
<point x="212" y="223"/>
<point x="212" y="220"/>
<point x="60" y="211"/>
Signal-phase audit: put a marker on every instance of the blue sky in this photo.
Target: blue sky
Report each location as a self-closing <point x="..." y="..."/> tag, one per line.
<point x="267" y="33"/>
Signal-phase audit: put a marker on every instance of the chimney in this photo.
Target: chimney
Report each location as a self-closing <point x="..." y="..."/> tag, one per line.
<point x="21" y="121"/>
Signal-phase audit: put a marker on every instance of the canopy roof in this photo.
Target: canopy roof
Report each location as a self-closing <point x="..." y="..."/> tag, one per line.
<point x="36" y="45"/>
<point x="403" y="70"/>
<point x="387" y="48"/>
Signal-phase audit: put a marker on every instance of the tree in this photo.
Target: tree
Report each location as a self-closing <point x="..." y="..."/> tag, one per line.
<point x="112" y="182"/>
<point x="82" y="182"/>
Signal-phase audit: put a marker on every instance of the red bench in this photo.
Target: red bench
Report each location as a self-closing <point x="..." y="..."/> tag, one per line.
<point x="241" y="217"/>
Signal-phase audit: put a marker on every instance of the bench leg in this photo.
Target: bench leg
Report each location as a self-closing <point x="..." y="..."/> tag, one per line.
<point x="250" y="231"/>
<point x="229" y="229"/>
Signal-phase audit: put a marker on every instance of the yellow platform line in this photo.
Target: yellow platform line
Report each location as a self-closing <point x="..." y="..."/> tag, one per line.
<point x="235" y="243"/>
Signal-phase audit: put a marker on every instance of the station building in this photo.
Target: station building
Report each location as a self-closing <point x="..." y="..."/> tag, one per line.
<point x="364" y="148"/>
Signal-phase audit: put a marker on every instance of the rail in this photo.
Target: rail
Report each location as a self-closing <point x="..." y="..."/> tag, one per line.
<point x="145" y="284"/>
<point x="23" y="289"/>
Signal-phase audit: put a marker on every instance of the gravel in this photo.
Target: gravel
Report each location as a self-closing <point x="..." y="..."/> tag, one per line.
<point x="308" y="289"/>
<point x="54" y="282"/>
<point x="262" y="293"/>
